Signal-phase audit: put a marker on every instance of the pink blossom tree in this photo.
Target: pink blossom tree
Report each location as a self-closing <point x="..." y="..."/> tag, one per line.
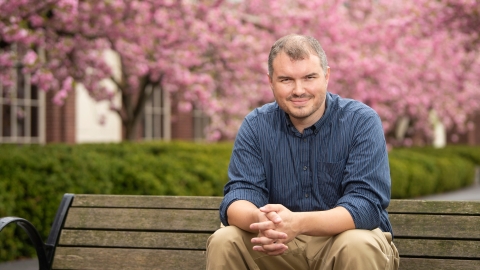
<point x="452" y="76"/>
<point x="406" y="59"/>
<point x="424" y="63"/>
<point x="177" y="46"/>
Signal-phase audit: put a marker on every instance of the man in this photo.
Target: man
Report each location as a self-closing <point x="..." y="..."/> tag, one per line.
<point x="309" y="178"/>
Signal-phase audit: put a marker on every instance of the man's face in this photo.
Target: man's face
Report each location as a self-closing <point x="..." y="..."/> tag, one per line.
<point x="300" y="88"/>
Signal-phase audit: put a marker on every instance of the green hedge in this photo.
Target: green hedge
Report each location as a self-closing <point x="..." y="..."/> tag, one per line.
<point x="423" y="171"/>
<point x="34" y="178"/>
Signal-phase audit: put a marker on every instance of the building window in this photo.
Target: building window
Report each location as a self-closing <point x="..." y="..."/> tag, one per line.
<point x="200" y="122"/>
<point x="22" y="111"/>
<point x="156" y="124"/>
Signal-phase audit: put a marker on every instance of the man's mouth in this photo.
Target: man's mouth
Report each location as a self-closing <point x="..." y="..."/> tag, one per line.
<point x="299" y="101"/>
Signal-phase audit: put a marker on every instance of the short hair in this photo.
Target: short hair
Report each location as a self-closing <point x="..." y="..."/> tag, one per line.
<point x="297" y="47"/>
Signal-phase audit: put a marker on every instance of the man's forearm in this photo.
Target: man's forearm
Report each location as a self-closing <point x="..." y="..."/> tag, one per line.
<point x="241" y="214"/>
<point x="319" y="223"/>
<point x="324" y="223"/>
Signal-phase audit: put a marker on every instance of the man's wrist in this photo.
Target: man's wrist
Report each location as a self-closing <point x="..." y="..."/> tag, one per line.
<point x="298" y="222"/>
<point x="255" y="215"/>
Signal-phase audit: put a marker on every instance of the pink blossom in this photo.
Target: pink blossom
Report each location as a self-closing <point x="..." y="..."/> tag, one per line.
<point x="184" y="106"/>
<point x="30" y="58"/>
<point x="403" y="58"/>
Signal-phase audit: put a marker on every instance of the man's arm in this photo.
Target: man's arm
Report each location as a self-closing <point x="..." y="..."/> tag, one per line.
<point x="247" y="181"/>
<point x="324" y="223"/>
<point x="282" y="220"/>
<point x="243" y="213"/>
<point x="317" y="223"/>
<point x="366" y="178"/>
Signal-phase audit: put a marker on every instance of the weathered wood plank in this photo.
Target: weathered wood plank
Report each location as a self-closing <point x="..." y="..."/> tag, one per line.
<point x="143" y="219"/>
<point x="99" y="258"/>
<point x="435" y="207"/>
<point x="135" y="201"/>
<point x="131" y="239"/>
<point x="438" y="264"/>
<point x="405" y="225"/>
<point x="438" y="248"/>
<point x="204" y="202"/>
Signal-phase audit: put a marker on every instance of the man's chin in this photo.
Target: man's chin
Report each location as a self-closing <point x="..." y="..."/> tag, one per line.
<point x="299" y="114"/>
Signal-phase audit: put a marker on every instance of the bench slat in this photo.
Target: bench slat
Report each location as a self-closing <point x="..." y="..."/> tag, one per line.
<point x="438" y="248"/>
<point x="438" y="264"/>
<point x="100" y="258"/>
<point x="132" y="239"/>
<point x="143" y="219"/>
<point x="405" y="225"/>
<point x="144" y="201"/>
<point x="435" y="207"/>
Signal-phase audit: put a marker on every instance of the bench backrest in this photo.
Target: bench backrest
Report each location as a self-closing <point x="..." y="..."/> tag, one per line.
<point x="136" y="232"/>
<point x="436" y="234"/>
<point x="169" y="232"/>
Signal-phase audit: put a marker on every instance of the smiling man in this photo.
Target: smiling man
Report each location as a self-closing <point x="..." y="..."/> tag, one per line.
<point x="309" y="179"/>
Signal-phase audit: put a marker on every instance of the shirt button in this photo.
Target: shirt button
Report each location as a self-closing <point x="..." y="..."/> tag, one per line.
<point x="304" y="168"/>
<point x="306" y="195"/>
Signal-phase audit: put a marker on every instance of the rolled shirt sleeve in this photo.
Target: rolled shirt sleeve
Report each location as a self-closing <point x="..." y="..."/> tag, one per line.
<point x="246" y="173"/>
<point x="366" y="183"/>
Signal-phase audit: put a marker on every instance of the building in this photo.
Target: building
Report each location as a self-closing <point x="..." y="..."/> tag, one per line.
<point x="29" y="116"/>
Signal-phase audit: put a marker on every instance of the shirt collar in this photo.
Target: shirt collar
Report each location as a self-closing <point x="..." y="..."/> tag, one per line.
<point x="326" y="115"/>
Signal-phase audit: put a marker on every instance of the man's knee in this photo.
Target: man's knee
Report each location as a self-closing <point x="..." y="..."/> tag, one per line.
<point x="361" y="249"/>
<point x="229" y="237"/>
<point x="225" y="236"/>
<point x="359" y="242"/>
<point x="228" y="248"/>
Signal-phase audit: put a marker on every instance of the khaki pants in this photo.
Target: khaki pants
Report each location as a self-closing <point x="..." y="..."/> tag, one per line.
<point x="230" y="248"/>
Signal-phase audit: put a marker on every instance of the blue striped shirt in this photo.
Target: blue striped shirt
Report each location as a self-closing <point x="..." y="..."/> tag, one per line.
<point x="341" y="160"/>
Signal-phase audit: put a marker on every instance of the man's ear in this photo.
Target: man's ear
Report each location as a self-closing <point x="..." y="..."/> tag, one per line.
<point x="270" y="81"/>
<point x="327" y="76"/>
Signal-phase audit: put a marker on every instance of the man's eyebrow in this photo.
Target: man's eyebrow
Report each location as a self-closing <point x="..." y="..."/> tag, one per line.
<point x="288" y="77"/>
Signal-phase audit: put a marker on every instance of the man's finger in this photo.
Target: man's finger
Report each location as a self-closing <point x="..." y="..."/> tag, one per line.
<point x="277" y="252"/>
<point x="265" y="225"/>
<point x="271" y="208"/>
<point x="274" y="217"/>
<point x="272" y="249"/>
<point x="262" y="240"/>
<point x="273" y="234"/>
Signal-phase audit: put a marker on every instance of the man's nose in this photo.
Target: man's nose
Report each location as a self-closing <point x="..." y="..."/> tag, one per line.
<point x="298" y="89"/>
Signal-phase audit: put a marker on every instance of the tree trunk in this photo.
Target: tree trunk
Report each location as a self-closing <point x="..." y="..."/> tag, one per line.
<point x="134" y="105"/>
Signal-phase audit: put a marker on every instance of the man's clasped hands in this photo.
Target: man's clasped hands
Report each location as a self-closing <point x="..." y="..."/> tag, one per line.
<point x="275" y="229"/>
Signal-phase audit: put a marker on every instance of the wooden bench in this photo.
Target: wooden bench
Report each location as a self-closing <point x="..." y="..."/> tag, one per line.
<point x="170" y="232"/>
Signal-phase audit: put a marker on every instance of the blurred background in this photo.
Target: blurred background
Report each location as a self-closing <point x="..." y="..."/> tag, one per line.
<point x="146" y="96"/>
<point x="106" y="71"/>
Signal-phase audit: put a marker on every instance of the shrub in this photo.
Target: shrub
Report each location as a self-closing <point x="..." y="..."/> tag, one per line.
<point x="422" y="171"/>
<point x="34" y="178"/>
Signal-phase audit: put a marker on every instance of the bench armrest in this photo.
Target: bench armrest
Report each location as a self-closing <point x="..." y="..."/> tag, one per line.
<point x="34" y="237"/>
